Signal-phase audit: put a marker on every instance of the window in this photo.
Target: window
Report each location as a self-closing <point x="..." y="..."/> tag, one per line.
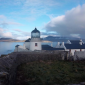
<point x="80" y="49"/>
<point x="35" y="35"/>
<point x="69" y="50"/>
<point x="35" y="44"/>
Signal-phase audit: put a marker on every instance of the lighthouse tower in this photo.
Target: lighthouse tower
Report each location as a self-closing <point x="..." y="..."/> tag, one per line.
<point x="35" y="42"/>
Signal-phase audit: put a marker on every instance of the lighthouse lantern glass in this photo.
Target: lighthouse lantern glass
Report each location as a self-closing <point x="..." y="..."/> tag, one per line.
<point x="35" y="35"/>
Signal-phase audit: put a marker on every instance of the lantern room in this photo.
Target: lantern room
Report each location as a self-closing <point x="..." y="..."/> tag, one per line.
<point x="35" y="33"/>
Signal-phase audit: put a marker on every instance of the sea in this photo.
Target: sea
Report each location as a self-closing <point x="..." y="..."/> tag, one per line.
<point x="8" y="47"/>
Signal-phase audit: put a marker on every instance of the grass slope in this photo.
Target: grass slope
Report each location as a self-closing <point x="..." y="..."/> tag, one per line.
<point x="51" y="73"/>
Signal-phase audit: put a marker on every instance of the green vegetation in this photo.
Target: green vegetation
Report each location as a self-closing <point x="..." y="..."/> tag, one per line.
<point x="51" y="73"/>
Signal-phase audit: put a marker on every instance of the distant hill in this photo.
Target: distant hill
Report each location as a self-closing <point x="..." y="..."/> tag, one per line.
<point x="46" y="39"/>
<point x="59" y="39"/>
<point x="10" y="40"/>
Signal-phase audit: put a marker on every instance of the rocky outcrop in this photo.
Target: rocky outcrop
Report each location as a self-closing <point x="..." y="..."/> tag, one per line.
<point x="4" y="78"/>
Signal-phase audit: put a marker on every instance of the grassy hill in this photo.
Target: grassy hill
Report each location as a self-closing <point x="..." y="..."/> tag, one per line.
<point x="51" y="73"/>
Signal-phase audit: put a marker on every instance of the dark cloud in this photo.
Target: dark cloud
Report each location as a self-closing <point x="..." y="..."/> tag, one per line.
<point x="72" y="23"/>
<point x="48" y="33"/>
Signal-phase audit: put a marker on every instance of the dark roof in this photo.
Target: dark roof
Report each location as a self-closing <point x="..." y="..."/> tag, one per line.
<point x="74" y="41"/>
<point x="75" y="46"/>
<point x="35" y="31"/>
<point x="17" y="45"/>
<point x="47" y="47"/>
<point x="28" y="40"/>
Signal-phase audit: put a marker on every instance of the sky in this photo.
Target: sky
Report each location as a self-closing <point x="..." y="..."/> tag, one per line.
<point x="51" y="17"/>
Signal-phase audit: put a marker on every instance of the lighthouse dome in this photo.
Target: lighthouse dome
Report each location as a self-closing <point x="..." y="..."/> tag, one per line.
<point x="35" y="33"/>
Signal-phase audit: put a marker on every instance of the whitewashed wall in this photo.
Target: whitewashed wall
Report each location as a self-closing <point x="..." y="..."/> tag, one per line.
<point x="15" y="50"/>
<point x="73" y="50"/>
<point x="58" y="45"/>
<point x="20" y="49"/>
<point x="33" y="47"/>
<point x="79" y="55"/>
<point x="27" y="44"/>
<point x="83" y="49"/>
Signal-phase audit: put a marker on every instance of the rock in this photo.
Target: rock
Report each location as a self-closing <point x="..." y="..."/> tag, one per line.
<point x="82" y="83"/>
<point x="4" y="78"/>
<point x="3" y="74"/>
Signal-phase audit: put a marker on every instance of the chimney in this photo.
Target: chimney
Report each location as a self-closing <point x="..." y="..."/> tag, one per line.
<point x="80" y="42"/>
<point x="58" y="45"/>
<point x="62" y="43"/>
<point x="68" y="42"/>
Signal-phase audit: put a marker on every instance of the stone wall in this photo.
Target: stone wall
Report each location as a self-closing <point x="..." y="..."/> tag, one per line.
<point x="8" y="64"/>
<point x="79" y="55"/>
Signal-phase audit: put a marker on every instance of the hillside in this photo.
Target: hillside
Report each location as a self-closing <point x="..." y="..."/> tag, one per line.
<point x="46" y="39"/>
<point x="15" y="40"/>
<point x="10" y="40"/>
<point x="59" y="39"/>
<point x="51" y="73"/>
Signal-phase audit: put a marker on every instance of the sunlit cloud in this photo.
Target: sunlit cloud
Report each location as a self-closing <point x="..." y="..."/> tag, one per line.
<point x="72" y="23"/>
<point x="5" y="34"/>
<point x="64" y="17"/>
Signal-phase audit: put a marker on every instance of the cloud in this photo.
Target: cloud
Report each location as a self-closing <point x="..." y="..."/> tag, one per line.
<point x="1" y="30"/>
<point x="40" y="3"/>
<point x="21" y="36"/>
<point x="3" y="33"/>
<point x="11" y="2"/>
<point x="39" y="6"/>
<point x="7" y="34"/>
<point x="14" y="23"/>
<point x="72" y="23"/>
<point x="75" y="35"/>
<point x="18" y="30"/>
<point x="2" y="17"/>
<point x="33" y="9"/>
<point x="5" y="22"/>
<point x="50" y="33"/>
<point x="23" y="33"/>
<point x="45" y="34"/>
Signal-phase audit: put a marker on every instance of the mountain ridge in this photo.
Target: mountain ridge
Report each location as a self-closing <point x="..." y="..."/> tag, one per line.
<point x="48" y="38"/>
<point x="10" y="40"/>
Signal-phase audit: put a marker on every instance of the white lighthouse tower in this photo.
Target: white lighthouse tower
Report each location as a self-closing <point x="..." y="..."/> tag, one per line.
<point x="35" y="42"/>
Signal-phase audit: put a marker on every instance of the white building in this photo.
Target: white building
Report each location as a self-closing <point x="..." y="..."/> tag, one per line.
<point x="72" y="46"/>
<point x="31" y="44"/>
<point x="34" y="44"/>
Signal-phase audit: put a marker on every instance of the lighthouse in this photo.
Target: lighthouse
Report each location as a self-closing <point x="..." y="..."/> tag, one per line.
<point x="35" y="42"/>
